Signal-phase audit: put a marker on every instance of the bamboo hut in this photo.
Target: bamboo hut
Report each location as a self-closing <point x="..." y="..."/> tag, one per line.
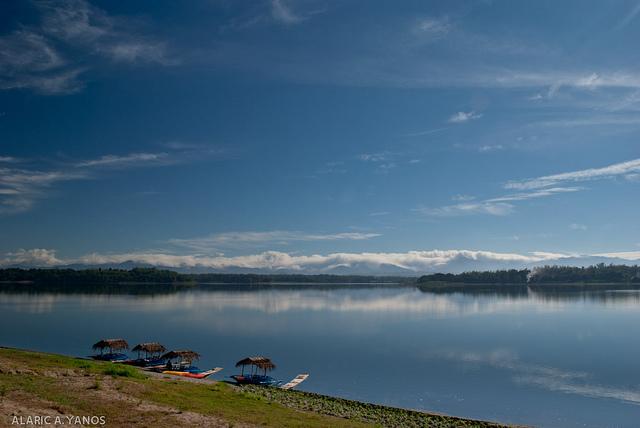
<point x="150" y="349"/>
<point x="184" y="356"/>
<point x="110" y="344"/>
<point x="257" y="363"/>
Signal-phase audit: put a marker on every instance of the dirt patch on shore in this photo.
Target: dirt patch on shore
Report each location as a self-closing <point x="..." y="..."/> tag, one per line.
<point x="85" y="394"/>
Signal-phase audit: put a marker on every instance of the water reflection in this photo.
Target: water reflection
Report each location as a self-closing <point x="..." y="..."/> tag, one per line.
<point x="524" y="356"/>
<point x="274" y="300"/>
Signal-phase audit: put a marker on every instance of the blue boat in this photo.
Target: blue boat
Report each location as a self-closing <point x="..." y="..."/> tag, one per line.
<point x="111" y="346"/>
<point x="254" y="377"/>
<point x="152" y="355"/>
<point x="257" y="379"/>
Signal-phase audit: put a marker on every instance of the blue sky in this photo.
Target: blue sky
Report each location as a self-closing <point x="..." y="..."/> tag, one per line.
<point x="311" y="135"/>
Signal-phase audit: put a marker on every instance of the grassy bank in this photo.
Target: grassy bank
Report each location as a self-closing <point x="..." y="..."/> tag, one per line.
<point x="44" y="384"/>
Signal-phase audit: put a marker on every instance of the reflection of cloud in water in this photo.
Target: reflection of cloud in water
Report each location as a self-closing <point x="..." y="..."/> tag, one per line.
<point x="549" y="378"/>
<point x="400" y="300"/>
<point x="280" y="301"/>
<point x="29" y="303"/>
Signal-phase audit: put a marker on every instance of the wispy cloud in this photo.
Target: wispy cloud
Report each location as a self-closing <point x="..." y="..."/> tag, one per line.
<point x="426" y="132"/>
<point x="469" y="208"/>
<point x="462" y="116"/>
<point x="593" y="120"/>
<point x="628" y="17"/>
<point x="433" y="27"/>
<point x="32" y="57"/>
<point x="244" y="239"/>
<point x="384" y="161"/>
<point x="490" y="148"/>
<point x="20" y="188"/>
<point x="577" y="226"/>
<point x="533" y="188"/>
<point x="535" y="194"/>
<point x="116" y="161"/>
<point x="611" y="171"/>
<point x="498" y="206"/>
<point x="283" y="12"/>
<point x="374" y="157"/>
<point x="29" y="60"/>
<point x="81" y="24"/>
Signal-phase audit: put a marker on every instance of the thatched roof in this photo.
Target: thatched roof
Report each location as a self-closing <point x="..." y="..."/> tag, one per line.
<point x="184" y="354"/>
<point x="113" y="344"/>
<point x="150" y="348"/>
<point x="261" y="362"/>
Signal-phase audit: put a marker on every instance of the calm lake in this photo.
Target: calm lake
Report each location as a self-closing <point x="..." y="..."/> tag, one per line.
<point x="541" y="359"/>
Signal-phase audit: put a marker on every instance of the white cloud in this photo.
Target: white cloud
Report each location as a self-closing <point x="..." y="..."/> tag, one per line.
<point x="242" y="239"/>
<point x="632" y="177"/>
<point x="433" y="27"/>
<point x="80" y="24"/>
<point x="34" y="257"/>
<point x="29" y="60"/>
<point x="462" y="116"/>
<point x="374" y="157"/>
<point x="468" y="208"/>
<point x="625" y="255"/>
<point x="282" y="12"/>
<point x="462" y="198"/>
<point x="537" y="188"/>
<point x="498" y="206"/>
<point x="614" y="170"/>
<point x="412" y="261"/>
<point x="19" y="188"/>
<point x="577" y="226"/>
<point x="127" y="160"/>
<point x="423" y="133"/>
<point x="138" y="51"/>
<point x="535" y="194"/>
<point x="490" y="148"/>
<point x="594" y="120"/>
<point x="628" y="17"/>
<point x="32" y="58"/>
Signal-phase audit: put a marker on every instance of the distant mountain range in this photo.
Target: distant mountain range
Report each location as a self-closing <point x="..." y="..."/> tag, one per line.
<point x="459" y="263"/>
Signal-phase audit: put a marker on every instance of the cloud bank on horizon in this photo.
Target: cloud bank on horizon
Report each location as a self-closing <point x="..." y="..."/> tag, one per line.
<point x="408" y="263"/>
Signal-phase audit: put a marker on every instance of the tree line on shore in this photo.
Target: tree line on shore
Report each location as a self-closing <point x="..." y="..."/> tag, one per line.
<point x="163" y="276"/>
<point x="600" y="273"/>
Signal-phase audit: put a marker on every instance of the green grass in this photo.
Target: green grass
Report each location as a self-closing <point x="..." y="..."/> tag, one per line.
<point x="123" y="371"/>
<point x="75" y="386"/>
<point x="235" y="406"/>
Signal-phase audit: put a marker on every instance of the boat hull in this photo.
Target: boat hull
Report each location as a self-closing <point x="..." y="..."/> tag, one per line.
<point x="192" y="375"/>
<point x="113" y="357"/>
<point x="255" y="380"/>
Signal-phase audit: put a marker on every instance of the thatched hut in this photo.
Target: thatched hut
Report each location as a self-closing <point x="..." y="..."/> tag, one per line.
<point x="259" y="363"/>
<point x="184" y="356"/>
<point x="110" y="344"/>
<point x="150" y="349"/>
